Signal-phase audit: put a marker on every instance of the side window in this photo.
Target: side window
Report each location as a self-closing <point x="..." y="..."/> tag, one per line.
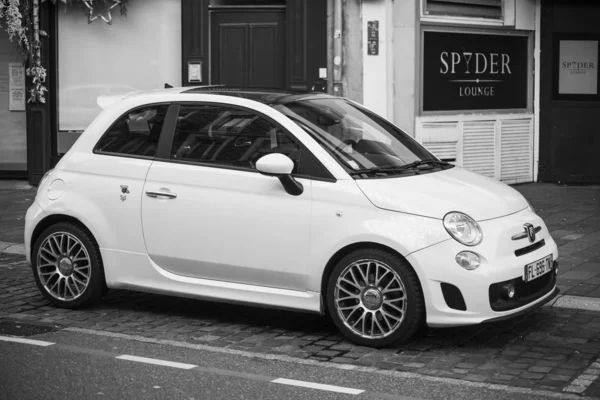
<point x="135" y="133"/>
<point x="228" y="136"/>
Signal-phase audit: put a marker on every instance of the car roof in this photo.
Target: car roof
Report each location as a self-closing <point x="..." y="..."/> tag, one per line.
<point x="268" y="96"/>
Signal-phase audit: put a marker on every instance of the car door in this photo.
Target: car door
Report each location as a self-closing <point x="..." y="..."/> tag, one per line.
<point x="207" y="213"/>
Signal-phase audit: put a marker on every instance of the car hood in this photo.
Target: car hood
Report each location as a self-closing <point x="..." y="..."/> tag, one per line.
<point x="437" y="193"/>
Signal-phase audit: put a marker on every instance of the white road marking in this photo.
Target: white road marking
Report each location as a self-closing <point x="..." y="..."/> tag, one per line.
<point x="324" y="364"/>
<point x="312" y="385"/>
<point x="585" y="379"/>
<point x="12" y="248"/>
<point x="25" y="341"/>
<point x="155" y="361"/>
<point x="577" y="302"/>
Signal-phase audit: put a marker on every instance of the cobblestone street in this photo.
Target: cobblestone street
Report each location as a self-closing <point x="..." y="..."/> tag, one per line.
<point x="548" y="349"/>
<point x="555" y="349"/>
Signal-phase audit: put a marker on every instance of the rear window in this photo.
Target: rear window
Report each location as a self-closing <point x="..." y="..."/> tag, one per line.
<point x="136" y="133"/>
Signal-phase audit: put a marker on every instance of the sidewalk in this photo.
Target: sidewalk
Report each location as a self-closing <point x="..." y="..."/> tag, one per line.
<point x="572" y="214"/>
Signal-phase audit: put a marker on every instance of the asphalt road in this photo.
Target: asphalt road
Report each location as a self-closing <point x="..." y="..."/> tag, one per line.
<point x="75" y="365"/>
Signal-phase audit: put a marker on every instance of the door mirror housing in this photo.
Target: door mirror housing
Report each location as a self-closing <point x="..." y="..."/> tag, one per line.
<point x="280" y="166"/>
<point x="275" y="164"/>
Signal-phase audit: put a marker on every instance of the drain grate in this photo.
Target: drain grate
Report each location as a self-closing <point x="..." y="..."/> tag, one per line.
<point x="18" y="328"/>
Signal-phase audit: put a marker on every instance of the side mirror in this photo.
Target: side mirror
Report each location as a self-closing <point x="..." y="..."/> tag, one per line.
<point x="280" y="166"/>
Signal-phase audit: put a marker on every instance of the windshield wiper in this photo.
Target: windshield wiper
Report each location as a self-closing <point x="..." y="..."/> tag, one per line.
<point x="377" y="169"/>
<point x="424" y="162"/>
<point x="399" y="168"/>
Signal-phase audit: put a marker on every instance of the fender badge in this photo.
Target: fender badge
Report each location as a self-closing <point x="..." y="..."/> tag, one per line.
<point x="125" y="191"/>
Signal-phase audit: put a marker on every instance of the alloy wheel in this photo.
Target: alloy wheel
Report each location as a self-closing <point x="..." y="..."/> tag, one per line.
<point x="370" y="299"/>
<point x="63" y="266"/>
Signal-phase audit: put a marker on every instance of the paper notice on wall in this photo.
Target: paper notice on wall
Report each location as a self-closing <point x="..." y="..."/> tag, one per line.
<point x="16" y="81"/>
<point x="578" y="67"/>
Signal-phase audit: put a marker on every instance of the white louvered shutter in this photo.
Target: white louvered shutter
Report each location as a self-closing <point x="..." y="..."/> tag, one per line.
<point x="516" y="151"/>
<point x="479" y="153"/>
<point x="441" y="138"/>
<point x="442" y="150"/>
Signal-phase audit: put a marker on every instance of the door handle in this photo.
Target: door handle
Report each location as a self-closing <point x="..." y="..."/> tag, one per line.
<point x="168" y="195"/>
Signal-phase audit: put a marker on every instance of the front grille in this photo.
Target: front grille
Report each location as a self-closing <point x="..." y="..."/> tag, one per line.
<point x="530" y="248"/>
<point x="525" y="292"/>
<point x="453" y="297"/>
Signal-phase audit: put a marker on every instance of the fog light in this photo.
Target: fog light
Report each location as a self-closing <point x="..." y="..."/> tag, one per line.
<point x="468" y="260"/>
<point x="507" y="291"/>
<point x="555" y="267"/>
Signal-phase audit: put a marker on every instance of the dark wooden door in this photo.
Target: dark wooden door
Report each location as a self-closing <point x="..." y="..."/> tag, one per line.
<point x="247" y="48"/>
<point x="569" y="144"/>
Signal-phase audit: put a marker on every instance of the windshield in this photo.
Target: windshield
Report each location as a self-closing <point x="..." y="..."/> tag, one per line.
<point x="361" y="141"/>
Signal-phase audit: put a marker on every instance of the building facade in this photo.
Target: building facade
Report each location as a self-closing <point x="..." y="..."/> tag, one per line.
<point x="506" y="88"/>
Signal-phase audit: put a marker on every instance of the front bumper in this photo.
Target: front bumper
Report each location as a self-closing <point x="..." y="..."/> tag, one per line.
<point x="533" y="306"/>
<point x="455" y="296"/>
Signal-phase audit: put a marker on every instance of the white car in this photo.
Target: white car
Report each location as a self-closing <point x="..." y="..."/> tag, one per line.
<point x="301" y="201"/>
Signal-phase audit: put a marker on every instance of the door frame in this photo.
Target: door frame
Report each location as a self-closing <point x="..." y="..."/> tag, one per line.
<point x="300" y="72"/>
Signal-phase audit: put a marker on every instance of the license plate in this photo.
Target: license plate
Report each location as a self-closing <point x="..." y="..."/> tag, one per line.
<point x="537" y="268"/>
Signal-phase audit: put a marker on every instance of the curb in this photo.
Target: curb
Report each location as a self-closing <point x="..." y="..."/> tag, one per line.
<point x="561" y="301"/>
<point x="14" y="185"/>
<point x="12" y="248"/>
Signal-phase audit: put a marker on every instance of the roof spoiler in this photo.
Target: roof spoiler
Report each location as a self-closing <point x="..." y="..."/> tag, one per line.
<point x="107" y="100"/>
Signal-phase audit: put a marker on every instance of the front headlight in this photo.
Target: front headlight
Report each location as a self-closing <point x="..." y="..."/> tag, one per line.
<point x="463" y="228"/>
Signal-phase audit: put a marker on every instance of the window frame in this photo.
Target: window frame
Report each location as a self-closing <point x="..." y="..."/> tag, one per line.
<point x="466" y="3"/>
<point x="95" y="150"/>
<point x="473" y="31"/>
<point x="167" y="137"/>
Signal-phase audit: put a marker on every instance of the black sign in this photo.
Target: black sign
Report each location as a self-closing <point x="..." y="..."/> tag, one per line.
<point x="463" y="71"/>
<point x="373" y="38"/>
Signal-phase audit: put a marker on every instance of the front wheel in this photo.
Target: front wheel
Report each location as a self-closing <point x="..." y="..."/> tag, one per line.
<point x="67" y="266"/>
<point x="374" y="298"/>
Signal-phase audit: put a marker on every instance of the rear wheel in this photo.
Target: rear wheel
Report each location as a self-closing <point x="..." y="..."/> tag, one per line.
<point x="67" y="266"/>
<point x="374" y="298"/>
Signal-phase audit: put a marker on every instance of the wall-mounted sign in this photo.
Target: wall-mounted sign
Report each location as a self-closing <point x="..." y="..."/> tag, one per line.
<point x="373" y="38"/>
<point x="195" y="71"/>
<point x="16" y="87"/>
<point x="465" y="71"/>
<point x="578" y="67"/>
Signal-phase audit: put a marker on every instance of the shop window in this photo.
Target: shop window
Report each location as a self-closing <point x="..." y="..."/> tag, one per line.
<point x="139" y="52"/>
<point x="464" y="8"/>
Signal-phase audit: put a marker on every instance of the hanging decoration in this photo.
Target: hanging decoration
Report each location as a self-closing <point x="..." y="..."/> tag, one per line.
<point x="91" y="17"/>
<point x="20" y="19"/>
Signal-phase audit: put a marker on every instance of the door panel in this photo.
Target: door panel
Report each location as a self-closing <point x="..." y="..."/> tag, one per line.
<point x="247" y="48"/>
<point x="265" y="56"/>
<point x="233" y="54"/>
<point x="226" y="225"/>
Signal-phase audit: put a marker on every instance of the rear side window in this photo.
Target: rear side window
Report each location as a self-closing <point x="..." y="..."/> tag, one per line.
<point x="136" y="133"/>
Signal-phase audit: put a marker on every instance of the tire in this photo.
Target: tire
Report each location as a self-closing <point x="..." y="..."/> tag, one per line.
<point x="386" y="308"/>
<point x="67" y="266"/>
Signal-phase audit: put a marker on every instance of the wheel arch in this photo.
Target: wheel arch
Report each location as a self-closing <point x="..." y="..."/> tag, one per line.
<point x="341" y="253"/>
<point x="55" y="219"/>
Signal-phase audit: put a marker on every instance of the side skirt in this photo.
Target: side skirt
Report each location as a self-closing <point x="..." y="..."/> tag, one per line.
<point x="137" y="272"/>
